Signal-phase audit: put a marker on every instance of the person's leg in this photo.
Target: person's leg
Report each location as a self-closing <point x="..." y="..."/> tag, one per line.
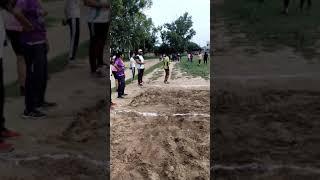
<point x="133" y="73"/>
<point x="139" y="76"/>
<point x="92" y="48"/>
<point x="120" y="87"/>
<point x="142" y="72"/>
<point x="21" y="70"/>
<point x="74" y="37"/>
<point x="101" y="30"/>
<point x="29" y="84"/>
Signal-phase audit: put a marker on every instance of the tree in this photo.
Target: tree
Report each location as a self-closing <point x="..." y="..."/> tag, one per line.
<point x="191" y="46"/>
<point x="177" y="34"/>
<point x="131" y="29"/>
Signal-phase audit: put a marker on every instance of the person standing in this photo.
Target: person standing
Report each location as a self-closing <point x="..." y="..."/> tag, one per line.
<point x="13" y="31"/>
<point x="72" y="18"/>
<point x="35" y="49"/>
<point x="166" y="63"/>
<point x="132" y="64"/>
<point x="191" y="57"/>
<point x="8" y="6"/>
<point x="199" y="57"/>
<point x="98" y="22"/>
<point x="205" y="58"/>
<point x="119" y="65"/>
<point x="140" y="62"/>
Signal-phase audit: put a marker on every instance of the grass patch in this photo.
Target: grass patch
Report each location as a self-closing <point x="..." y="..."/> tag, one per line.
<point x="263" y="22"/>
<point x="56" y="64"/>
<point x="51" y="21"/>
<point x="193" y="69"/>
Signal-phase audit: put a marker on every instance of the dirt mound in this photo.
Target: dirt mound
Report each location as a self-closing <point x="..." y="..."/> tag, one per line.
<point x="87" y="125"/>
<point x="182" y="101"/>
<point x="271" y="127"/>
<point x="162" y="147"/>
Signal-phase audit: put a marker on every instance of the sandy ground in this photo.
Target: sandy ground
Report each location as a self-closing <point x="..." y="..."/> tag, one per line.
<point x="71" y="142"/>
<point x="161" y="131"/>
<point x="266" y="112"/>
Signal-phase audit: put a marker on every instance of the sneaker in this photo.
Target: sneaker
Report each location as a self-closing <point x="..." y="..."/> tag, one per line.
<point x="33" y="114"/>
<point x="8" y="133"/>
<point x="5" y="147"/>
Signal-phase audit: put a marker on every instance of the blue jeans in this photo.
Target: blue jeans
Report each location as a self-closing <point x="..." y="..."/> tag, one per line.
<point x="36" y="75"/>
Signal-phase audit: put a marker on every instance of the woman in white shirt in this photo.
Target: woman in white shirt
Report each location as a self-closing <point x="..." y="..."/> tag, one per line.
<point x="132" y="64"/>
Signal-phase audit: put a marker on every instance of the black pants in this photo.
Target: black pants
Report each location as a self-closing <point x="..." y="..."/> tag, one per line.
<point x="205" y="61"/>
<point x="122" y="85"/>
<point x="74" y="26"/>
<point x="36" y="76"/>
<point x="133" y="70"/>
<point x="98" y="37"/>
<point x="2" y="119"/>
<point x="140" y="75"/>
<point x="166" y="77"/>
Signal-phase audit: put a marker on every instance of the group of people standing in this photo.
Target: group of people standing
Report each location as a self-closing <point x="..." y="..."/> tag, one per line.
<point x="117" y="70"/>
<point x="201" y="57"/>
<point x="24" y="24"/>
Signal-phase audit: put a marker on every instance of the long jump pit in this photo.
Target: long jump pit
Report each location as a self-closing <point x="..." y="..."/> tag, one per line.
<point x="163" y="132"/>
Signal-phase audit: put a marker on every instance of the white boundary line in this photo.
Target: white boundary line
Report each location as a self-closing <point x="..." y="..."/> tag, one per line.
<point x="154" y="114"/>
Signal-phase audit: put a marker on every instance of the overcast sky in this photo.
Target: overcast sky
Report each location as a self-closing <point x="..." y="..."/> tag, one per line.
<point x="166" y="11"/>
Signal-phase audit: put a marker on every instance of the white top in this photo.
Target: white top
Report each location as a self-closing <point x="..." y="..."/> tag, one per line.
<point x="99" y="15"/>
<point x="132" y="62"/>
<point x="141" y="66"/>
<point x="72" y="9"/>
<point x="2" y="33"/>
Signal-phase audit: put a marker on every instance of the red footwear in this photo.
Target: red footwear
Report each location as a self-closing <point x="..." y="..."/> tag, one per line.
<point x="5" y="147"/>
<point x="9" y="133"/>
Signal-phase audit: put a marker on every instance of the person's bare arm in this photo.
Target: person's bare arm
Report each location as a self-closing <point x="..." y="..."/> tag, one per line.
<point x="27" y="26"/>
<point x="95" y="4"/>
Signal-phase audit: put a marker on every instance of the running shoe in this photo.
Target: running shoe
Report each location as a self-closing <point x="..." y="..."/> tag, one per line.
<point x="5" y="147"/>
<point x="33" y="114"/>
<point x="9" y="133"/>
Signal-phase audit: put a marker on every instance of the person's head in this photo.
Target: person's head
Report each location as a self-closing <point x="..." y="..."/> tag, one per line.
<point x="132" y="54"/>
<point x="140" y="52"/>
<point x="119" y="55"/>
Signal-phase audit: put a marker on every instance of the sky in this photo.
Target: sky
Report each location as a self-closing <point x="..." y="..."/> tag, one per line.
<point x="166" y="11"/>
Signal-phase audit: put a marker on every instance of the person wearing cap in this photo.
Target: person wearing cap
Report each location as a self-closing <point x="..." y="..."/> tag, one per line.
<point x="140" y="62"/>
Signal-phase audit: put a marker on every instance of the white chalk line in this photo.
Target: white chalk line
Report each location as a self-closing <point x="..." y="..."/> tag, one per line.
<point x="265" y="167"/>
<point x="181" y="86"/>
<point x="54" y="157"/>
<point x="154" y="114"/>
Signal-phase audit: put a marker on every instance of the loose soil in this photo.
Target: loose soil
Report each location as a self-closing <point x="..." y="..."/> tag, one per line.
<point x="161" y="131"/>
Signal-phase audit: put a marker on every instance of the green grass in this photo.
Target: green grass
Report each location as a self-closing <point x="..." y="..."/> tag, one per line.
<point x="264" y="23"/>
<point x="193" y="69"/>
<point x="51" y="21"/>
<point x="57" y="64"/>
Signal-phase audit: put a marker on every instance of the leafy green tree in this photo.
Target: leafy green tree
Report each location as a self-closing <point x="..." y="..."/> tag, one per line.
<point x="177" y="34"/>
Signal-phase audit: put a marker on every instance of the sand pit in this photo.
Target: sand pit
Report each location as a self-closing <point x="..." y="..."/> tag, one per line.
<point x="162" y="134"/>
